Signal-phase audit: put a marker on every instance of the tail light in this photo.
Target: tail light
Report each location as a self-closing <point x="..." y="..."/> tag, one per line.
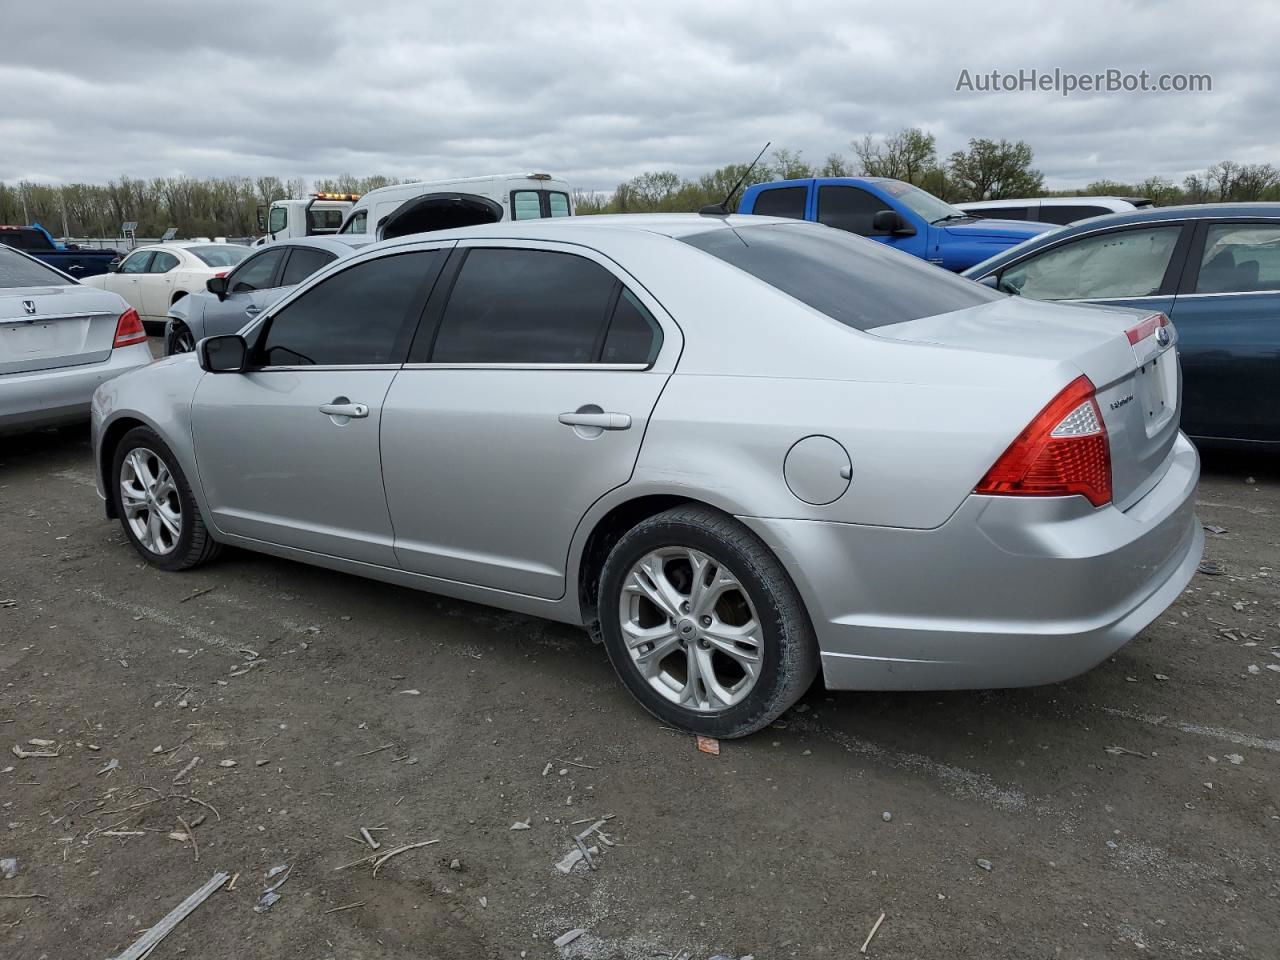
<point x="1146" y="328"/>
<point x="1063" y="451"/>
<point x="129" y="329"/>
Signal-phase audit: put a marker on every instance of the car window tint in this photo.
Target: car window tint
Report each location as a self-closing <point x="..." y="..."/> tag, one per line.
<point x="634" y="336"/>
<point x="849" y="208"/>
<point x="19" y="271"/>
<point x="525" y="205"/>
<point x="256" y="273"/>
<point x="136" y="262"/>
<point x="1239" y="257"/>
<point x="781" y="202"/>
<point x="357" y="222"/>
<point x="1069" y="213"/>
<point x="303" y="262"/>
<point x="558" y="203"/>
<point x="999" y="213"/>
<point x="360" y="315"/>
<point x="1127" y="263"/>
<point x="162" y="262"/>
<point x="524" y="306"/>
<point x="861" y="283"/>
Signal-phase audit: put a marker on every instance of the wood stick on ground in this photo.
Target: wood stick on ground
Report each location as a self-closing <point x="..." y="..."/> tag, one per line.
<point x="192" y="835"/>
<point x="385" y="746"/>
<point x="356" y="863"/>
<point x="23" y="896"/>
<point x="232" y="885"/>
<point x="866" y="943"/>
<point x="349" y="906"/>
<point x="408" y="846"/>
<point x="198" y="593"/>
<point x="368" y="838"/>
<point x="146" y="943"/>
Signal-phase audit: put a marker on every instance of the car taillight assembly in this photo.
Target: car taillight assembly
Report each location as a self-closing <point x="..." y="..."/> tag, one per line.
<point x="1146" y="328"/>
<point x="129" y="329"/>
<point x="1063" y="451"/>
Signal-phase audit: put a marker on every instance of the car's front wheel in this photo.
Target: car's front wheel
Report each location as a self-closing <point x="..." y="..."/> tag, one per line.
<point x="704" y="625"/>
<point x="181" y="340"/>
<point x="155" y="505"/>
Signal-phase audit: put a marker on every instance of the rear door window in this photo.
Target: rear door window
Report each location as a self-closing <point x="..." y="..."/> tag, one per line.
<point x="1069" y="213"/>
<point x="518" y="306"/>
<point x="781" y="202"/>
<point x="162" y="262"/>
<point x="849" y="208"/>
<point x="633" y="336"/>
<point x="303" y="262"/>
<point x="526" y="205"/>
<point x="1122" y="263"/>
<point x="557" y="204"/>
<point x="360" y="316"/>
<point x="1240" y="258"/>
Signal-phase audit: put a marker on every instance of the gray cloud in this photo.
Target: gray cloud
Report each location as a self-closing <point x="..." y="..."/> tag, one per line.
<point x="600" y="92"/>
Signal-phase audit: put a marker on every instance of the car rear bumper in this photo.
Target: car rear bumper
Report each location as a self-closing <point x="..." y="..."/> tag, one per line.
<point x="1010" y="591"/>
<point x="63" y="394"/>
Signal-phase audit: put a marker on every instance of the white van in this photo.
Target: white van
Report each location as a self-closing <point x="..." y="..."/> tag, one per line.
<point x="1060" y="210"/>
<point x="406" y="208"/>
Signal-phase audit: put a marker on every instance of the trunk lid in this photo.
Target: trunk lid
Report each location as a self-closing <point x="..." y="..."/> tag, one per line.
<point x="43" y="328"/>
<point x="1138" y="384"/>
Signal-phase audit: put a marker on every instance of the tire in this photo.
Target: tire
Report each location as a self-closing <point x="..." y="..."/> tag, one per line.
<point x="180" y="340"/>
<point x="149" y="461"/>
<point x="669" y="545"/>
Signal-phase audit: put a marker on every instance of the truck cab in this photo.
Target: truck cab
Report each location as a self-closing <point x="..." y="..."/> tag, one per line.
<point x="319" y="215"/>
<point x="69" y="258"/>
<point x="407" y="208"/>
<point x="892" y="212"/>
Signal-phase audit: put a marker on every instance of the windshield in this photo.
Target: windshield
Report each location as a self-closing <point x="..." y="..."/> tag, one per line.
<point x="220" y="255"/>
<point x="859" y="282"/>
<point x="922" y="203"/>
<point x="19" y="271"/>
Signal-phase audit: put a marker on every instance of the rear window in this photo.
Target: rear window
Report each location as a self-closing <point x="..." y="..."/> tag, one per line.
<point x="861" y="283"/>
<point x="221" y="255"/>
<point x="19" y="271"/>
<point x="24" y="239"/>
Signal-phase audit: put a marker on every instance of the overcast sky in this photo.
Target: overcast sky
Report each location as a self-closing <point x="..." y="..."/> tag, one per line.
<point x="599" y="92"/>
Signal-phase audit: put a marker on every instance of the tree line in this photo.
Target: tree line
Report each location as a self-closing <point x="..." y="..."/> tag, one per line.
<point x="985" y="170"/>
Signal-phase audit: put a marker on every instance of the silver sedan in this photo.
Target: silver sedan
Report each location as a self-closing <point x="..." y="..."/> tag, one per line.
<point x="59" y="339"/>
<point x="741" y="451"/>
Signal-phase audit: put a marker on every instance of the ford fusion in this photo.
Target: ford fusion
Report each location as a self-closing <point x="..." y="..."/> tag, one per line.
<point x="739" y="450"/>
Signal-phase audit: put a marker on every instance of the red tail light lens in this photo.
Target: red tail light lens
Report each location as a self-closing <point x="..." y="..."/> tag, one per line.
<point x="1063" y="451"/>
<point x="129" y="329"/>
<point x="1146" y="328"/>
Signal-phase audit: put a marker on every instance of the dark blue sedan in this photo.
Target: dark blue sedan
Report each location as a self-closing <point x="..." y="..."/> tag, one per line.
<point x="1214" y="269"/>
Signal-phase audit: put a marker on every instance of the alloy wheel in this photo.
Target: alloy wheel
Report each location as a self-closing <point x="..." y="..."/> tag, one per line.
<point x="150" y="502"/>
<point x="691" y="629"/>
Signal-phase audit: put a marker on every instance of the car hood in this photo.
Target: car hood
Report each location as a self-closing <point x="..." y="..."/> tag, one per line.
<point x="1014" y="231"/>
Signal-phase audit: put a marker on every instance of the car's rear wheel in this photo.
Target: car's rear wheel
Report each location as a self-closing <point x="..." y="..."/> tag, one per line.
<point x="703" y="624"/>
<point x="155" y="505"/>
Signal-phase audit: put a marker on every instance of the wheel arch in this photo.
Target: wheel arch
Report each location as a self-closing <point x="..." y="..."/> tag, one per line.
<point x="112" y="434"/>
<point x="606" y="531"/>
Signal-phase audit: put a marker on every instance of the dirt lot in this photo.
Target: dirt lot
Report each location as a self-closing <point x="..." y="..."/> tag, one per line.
<point x="1015" y="831"/>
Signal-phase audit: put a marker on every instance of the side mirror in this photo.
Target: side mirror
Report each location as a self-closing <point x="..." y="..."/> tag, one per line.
<point x="262" y="221"/>
<point x="217" y="286"/>
<point x="113" y="266"/>
<point x="225" y="354"/>
<point x="890" y="221"/>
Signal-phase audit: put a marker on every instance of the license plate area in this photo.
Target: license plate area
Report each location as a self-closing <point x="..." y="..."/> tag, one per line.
<point x="1157" y="390"/>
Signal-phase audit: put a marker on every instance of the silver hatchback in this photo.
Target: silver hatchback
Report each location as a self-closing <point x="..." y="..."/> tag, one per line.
<point x="739" y="450"/>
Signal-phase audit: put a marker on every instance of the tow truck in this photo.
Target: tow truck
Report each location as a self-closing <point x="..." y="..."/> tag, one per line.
<point x="317" y="215"/>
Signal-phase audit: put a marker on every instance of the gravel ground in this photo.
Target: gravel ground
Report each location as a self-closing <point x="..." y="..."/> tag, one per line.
<point x="1133" y="811"/>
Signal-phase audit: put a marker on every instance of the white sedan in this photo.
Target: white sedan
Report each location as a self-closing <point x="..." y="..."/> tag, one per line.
<point x="152" y="279"/>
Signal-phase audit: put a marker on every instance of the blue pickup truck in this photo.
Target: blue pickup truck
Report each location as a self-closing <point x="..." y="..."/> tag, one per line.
<point x="893" y="212"/>
<point x="68" y="258"/>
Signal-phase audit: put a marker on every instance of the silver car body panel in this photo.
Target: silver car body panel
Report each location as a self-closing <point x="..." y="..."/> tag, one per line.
<point x="56" y="348"/>
<point x="489" y="498"/>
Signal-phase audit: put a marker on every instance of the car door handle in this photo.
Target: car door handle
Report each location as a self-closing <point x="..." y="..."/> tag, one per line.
<point x="252" y="311"/>
<point x="354" y="410"/>
<point x="74" y="266"/>
<point x="604" y="421"/>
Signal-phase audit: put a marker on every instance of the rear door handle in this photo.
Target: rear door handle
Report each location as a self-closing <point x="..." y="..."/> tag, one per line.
<point x="604" y="421"/>
<point x="354" y="410"/>
<point x="252" y="311"/>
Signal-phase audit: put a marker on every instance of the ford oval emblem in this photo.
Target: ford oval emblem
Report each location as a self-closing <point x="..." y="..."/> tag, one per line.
<point x="1164" y="337"/>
